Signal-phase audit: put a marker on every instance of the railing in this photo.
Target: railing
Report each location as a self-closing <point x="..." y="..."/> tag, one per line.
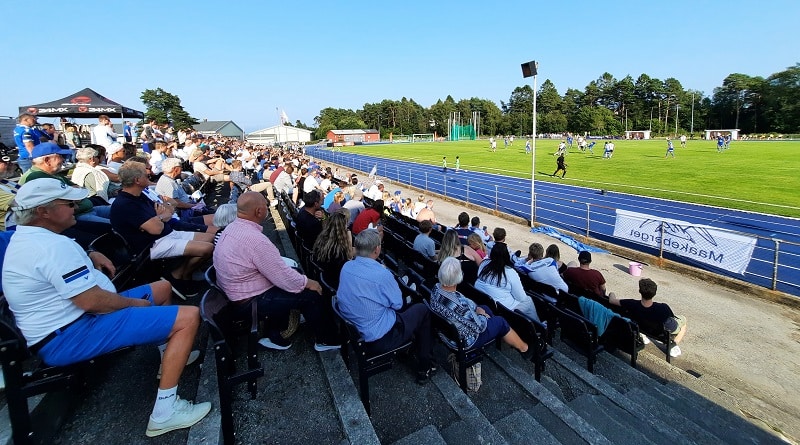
<point x="775" y="262"/>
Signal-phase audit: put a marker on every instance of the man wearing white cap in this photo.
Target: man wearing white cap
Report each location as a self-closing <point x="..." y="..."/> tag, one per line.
<point x="69" y="311"/>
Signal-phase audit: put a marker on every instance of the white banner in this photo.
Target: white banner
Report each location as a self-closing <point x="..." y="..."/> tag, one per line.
<point x="700" y="243"/>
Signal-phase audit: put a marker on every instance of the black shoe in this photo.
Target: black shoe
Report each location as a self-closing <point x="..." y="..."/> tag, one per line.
<point x="423" y="377"/>
<point x="518" y="253"/>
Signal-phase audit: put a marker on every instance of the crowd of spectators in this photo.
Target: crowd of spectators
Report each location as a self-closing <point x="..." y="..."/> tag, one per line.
<point x="154" y="201"/>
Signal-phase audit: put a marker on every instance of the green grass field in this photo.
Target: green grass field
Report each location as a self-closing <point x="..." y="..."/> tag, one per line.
<point x="757" y="176"/>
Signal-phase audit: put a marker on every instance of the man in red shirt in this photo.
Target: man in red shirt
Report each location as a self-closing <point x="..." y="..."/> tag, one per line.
<point x="584" y="277"/>
<point x="370" y="216"/>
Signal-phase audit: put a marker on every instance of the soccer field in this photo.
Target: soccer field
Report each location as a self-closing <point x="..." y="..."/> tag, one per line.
<point x="752" y="175"/>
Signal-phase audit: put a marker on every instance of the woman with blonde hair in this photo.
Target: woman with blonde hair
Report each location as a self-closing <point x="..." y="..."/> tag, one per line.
<point x="333" y="247"/>
<point x="336" y="204"/>
<point x="476" y="242"/>
<point x="466" y="255"/>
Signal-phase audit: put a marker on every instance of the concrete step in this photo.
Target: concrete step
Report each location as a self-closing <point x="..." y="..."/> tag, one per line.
<point x="520" y="428"/>
<point x="428" y="435"/>
<point x="674" y="418"/>
<point x="629" y="410"/>
<point x="606" y="422"/>
<point x="473" y="425"/>
<point x="563" y="414"/>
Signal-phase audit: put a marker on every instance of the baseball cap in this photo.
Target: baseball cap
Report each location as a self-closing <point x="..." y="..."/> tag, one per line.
<point x="584" y="257"/>
<point x="48" y="148"/>
<point x="44" y="190"/>
<point x="378" y="183"/>
<point x="397" y="193"/>
<point x="113" y="148"/>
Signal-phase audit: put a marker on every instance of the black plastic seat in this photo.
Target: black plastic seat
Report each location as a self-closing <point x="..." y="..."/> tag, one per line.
<point x="223" y="325"/>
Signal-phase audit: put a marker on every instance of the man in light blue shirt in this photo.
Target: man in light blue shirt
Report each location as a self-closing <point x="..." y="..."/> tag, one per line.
<point x="369" y="297"/>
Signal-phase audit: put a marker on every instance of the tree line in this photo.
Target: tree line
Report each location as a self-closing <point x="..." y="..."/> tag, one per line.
<point x="606" y="106"/>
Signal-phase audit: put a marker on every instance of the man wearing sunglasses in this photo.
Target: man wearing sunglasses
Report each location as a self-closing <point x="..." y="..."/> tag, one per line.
<point x="70" y="312"/>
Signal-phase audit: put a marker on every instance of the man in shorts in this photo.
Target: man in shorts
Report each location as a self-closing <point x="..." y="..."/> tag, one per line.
<point x="653" y="318"/>
<point x="145" y="224"/>
<point x="70" y="312"/>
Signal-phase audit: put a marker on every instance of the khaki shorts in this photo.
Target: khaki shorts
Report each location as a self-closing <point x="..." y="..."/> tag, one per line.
<point x="171" y="245"/>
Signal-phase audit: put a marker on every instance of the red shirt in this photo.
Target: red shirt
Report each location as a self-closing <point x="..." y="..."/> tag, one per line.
<point x="364" y="219"/>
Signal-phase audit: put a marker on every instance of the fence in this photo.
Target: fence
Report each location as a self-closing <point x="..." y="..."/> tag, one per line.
<point x="774" y="264"/>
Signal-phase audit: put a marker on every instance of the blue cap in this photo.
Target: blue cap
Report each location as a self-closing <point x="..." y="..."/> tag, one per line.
<point x="48" y="148"/>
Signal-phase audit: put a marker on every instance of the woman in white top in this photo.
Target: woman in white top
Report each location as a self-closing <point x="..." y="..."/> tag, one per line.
<point x="498" y="279"/>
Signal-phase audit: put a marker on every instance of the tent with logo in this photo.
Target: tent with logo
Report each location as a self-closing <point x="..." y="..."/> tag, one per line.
<point x="86" y="103"/>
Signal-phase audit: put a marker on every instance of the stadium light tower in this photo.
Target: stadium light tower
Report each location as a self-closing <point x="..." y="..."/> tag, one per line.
<point x="531" y="69"/>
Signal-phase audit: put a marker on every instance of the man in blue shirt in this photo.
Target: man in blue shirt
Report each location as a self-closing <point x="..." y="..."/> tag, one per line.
<point x="369" y="297"/>
<point x="26" y="136"/>
<point x="127" y="132"/>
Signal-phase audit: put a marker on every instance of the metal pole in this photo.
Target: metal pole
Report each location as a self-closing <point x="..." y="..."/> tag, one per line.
<point x="533" y="154"/>
<point x="775" y="264"/>
<point x="588" y="207"/>
<point x="691" y="132"/>
<point x="677" y="107"/>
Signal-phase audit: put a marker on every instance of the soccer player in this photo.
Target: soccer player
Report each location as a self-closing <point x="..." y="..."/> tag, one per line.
<point x="528" y="146"/>
<point x="720" y="143"/>
<point x="444" y="164"/>
<point x="670" y="149"/>
<point x="683" y="141"/>
<point x="458" y="164"/>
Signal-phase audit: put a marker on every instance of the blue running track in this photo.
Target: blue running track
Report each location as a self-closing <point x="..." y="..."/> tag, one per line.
<point x="589" y="212"/>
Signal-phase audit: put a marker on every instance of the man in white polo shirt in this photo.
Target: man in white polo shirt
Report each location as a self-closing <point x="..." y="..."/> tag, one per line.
<point x="69" y="311"/>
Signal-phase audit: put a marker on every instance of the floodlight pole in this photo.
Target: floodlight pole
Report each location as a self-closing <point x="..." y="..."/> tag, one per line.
<point x="692" y="130"/>
<point x="532" y="69"/>
<point x="677" y="107"/>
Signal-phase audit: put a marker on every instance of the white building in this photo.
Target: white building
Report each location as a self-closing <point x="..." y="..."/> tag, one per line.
<point x="279" y="134"/>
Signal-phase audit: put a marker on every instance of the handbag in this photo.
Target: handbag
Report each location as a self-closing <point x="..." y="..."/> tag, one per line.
<point x="474" y="380"/>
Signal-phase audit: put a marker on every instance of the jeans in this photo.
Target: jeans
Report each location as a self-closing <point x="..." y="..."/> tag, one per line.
<point x="98" y="214"/>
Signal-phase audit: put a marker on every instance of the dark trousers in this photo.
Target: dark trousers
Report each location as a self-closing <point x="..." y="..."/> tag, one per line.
<point x="276" y="304"/>
<point x="414" y="322"/>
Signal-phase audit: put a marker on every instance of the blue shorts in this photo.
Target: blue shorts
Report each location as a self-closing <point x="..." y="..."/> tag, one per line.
<point x="97" y="334"/>
<point x="495" y="327"/>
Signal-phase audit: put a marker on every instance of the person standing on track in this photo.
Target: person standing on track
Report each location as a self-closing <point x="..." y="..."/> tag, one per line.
<point x="560" y="166"/>
<point x="444" y="164"/>
<point x="458" y="164"/>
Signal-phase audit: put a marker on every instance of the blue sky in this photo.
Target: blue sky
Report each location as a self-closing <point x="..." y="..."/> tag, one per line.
<point x="239" y="60"/>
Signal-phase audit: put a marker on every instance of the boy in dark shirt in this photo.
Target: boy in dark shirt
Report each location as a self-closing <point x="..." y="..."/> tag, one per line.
<point x="653" y="317"/>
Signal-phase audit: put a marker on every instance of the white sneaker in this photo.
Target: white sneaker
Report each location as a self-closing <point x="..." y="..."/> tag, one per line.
<point x="645" y="339"/>
<point x="322" y="347"/>
<point x="675" y="351"/>
<point x="412" y="286"/>
<point x="281" y="345"/>
<point x="185" y="415"/>
<point x="192" y="358"/>
<point x="404" y="279"/>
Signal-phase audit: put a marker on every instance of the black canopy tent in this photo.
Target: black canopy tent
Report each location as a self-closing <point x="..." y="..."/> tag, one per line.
<point x="86" y="103"/>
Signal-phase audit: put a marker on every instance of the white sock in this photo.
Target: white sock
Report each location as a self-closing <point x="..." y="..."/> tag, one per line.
<point x="164" y="401"/>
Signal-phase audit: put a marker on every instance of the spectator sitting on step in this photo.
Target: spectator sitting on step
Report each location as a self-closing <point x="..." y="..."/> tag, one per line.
<point x="583" y="278"/>
<point x="211" y="169"/>
<point x="249" y="266"/>
<point x="355" y="204"/>
<point x="477" y="325"/>
<point x="474" y="240"/>
<point x="540" y="269"/>
<point x="469" y="259"/>
<point x="423" y="243"/>
<point x="498" y="279"/>
<point x="653" y="318"/>
<point x="370" y="298"/>
<point x="69" y="311"/>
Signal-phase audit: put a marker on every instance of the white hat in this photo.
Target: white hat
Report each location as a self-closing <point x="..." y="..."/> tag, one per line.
<point x="113" y="148"/>
<point x="45" y="190"/>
